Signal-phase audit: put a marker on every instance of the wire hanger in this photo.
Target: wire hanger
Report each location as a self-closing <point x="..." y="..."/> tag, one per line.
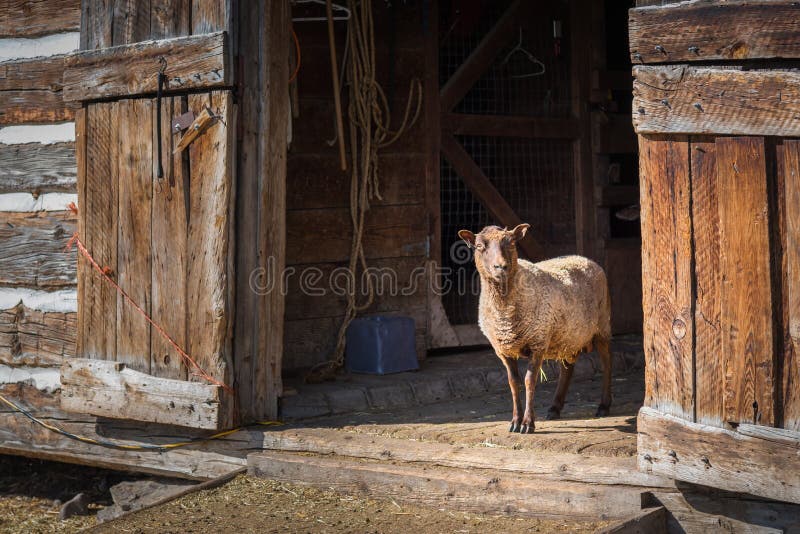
<point x="533" y="59"/>
<point x="339" y="12"/>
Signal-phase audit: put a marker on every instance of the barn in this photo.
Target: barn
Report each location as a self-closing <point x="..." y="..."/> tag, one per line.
<point x="197" y="197"/>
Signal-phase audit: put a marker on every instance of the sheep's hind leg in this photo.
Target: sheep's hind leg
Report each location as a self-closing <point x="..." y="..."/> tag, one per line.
<point x="529" y="419"/>
<point x="602" y="346"/>
<point x="514" y="383"/>
<point x="564" y="379"/>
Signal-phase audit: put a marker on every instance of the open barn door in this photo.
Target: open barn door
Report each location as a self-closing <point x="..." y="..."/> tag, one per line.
<point x="514" y="139"/>
<point x="720" y="231"/>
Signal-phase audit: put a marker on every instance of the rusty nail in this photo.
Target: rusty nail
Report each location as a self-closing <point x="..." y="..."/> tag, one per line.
<point x="698" y="107"/>
<point x="673" y="454"/>
<point x="637" y="56"/>
<point x="707" y="463"/>
<point x="648" y="458"/>
<point x="641" y="111"/>
<point x="660" y="49"/>
<point x="694" y="49"/>
<point x="665" y="102"/>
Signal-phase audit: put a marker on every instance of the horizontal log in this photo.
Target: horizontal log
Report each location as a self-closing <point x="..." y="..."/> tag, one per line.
<point x="31" y="91"/>
<point x="33" y="249"/>
<point x="110" y="389"/>
<point x="717" y="457"/>
<point x="507" y="126"/>
<point x="703" y="30"/>
<point x="38" y="168"/>
<point x="34" y="106"/>
<point x="36" y="338"/>
<point x="705" y="100"/>
<point x="34" y="18"/>
<point x="199" y="61"/>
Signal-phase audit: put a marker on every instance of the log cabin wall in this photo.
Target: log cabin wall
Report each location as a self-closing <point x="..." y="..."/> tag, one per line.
<point x="397" y="226"/>
<point x="719" y="190"/>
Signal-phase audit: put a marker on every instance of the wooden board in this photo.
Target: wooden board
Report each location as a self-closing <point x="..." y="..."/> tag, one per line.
<point x="731" y="102"/>
<point x="111" y="389"/>
<point x="36" y="338"/>
<point x="746" y="307"/>
<point x="667" y="274"/>
<point x="38" y="168"/>
<point x="169" y="224"/>
<point x="34" y="18"/>
<point x="791" y="363"/>
<point x="33" y="249"/>
<point x="704" y="31"/>
<point x="192" y="62"/>
<point x="716" y="457"/>
<point x="134" y="256"/>
<point x="705" y="234"/>
<point x="483" y="491"/>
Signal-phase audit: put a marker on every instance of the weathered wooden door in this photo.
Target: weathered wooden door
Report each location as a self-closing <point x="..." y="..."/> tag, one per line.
<point x="720" y="185"/>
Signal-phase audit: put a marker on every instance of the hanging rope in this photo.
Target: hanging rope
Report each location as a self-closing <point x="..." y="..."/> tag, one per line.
<point x="369" y="116"/>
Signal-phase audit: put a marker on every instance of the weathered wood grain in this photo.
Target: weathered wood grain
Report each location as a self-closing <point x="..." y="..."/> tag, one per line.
<point x="667" y="274"/>
<point x="33" y="106"/>
<point x="477" y="490"/>
<point x="130" y="22"/>
<point x="704" y="31"/>
<point x="209" y="242"/>
<point x="713" y="456"/>
<point x="111" y="389"/>
<point x="34" y="18"/>
<point x="169" y="18"/>
<point x="211" y="15"/>
<point x="98" y="197"/>
<point x="791" y="363"/>
<point x="649" y="520"/>
<point x="97" y="17"/>
<point x="134" y="256"/>
<point x="709" y="376"/>
<point x="32" y="249"/>
<point x="746" y="307"/>
<point x="81" y="264"/>
<point x="168" y="235"/>
<point x="38" y="168"/>
<point x="192" y="62"/>
<point x="709" y="100"/>
<point x="36" y="338"/>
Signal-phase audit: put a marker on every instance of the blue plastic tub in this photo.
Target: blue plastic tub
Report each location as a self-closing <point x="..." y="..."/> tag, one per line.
<point x="381" y="345"/>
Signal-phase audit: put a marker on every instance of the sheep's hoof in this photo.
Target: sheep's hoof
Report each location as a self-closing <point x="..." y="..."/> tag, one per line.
<point x="553" y="413"/>
<point x="527" y="429"/>
<point x="602" y="411"/>
<point x="514" y="427"/>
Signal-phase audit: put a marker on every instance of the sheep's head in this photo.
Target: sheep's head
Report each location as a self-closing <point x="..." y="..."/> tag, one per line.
<point x="495" y="250"/>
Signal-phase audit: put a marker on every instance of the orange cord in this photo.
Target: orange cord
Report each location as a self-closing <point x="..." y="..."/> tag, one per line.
<point x="297" y="49"/>
<point x="105" y="271"/>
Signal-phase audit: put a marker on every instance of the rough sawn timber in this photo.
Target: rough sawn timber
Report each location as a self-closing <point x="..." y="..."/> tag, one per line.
<point x="194" y="62"/>
<point x="36" y="338"/>
<point x="716" y="457"/>
<point x="703" y="31"/>
<point x="709" y="100"/>
<point x="38" y="168"/>
<point x="110" y="389"/>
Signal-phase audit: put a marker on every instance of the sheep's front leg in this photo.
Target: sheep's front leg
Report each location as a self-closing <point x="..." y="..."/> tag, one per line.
<point x="514" y="382"/>
<point x="529" y="419"/>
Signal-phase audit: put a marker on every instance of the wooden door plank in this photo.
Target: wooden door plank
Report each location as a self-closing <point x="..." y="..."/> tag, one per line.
<point x="667" y="274"/>
<point x="746" y="313"/>
<point x="209" y="276"/>
<point x="481" y="58"/>
<point x="170" y="18"/>
<point x="98" y="211"/>
<point x="211" y="16"/>
<point x="96" y="21"/>
<point x="486" y="193"/>
<point x="705" y="232"/>
<point x="169" y="222"/>
<point x="791" y="364"/>
<point x="704" y="31"/>
<point x="708" y="100"/>
<point x="135" y="153"/>
<point x="131" y="21"/>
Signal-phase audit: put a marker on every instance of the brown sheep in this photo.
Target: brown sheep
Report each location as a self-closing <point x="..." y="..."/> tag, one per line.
<point x="551" y="310"/>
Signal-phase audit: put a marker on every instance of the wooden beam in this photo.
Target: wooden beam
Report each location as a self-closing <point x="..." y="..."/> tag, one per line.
<point x="704" y="31"/>
<point x="481" y="58"/>
<point x="31" y="91"/>
<point x="33" y="249"/>
<point x="199" y="61"/>
<point x="716" y="457"/>
<point x="110" y="389"/>
<point x="481" y="491"/>
<point x="791" y="363"/>
<point x="649" y="521"/>
<point x="34" y="18"/>
<point x="36" y="338"/>
<point x="708" y="100"/>
<point x="38" y="168"/>
<point x="485" y="192"/>
<point x="508" y="126"/>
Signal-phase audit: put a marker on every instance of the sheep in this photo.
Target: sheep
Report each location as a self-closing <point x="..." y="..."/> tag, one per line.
<point x="551" y="310"/>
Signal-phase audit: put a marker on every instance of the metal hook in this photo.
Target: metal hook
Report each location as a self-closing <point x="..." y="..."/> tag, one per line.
<point x="162" y="64"/>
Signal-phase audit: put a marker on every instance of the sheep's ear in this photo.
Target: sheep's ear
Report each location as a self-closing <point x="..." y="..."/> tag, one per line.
<point x="520" y="230"/>
<point x="467" y="236"/>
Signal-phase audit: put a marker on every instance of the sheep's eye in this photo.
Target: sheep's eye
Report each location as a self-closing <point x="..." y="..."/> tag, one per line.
<point x="479" y="246"/>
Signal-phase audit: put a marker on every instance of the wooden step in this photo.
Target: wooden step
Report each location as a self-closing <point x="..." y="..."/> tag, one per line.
<point x="474" y="490"/>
